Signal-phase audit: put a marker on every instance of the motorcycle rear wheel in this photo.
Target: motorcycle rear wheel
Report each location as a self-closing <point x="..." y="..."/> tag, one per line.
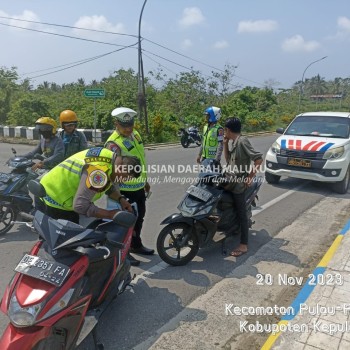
<point x="177" y="238"/>
<point x="7" y="215"/>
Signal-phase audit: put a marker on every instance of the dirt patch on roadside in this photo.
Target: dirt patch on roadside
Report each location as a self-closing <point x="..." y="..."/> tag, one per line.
<point x="18" y="140"/>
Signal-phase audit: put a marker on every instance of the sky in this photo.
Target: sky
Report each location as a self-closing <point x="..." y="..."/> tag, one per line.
<point x="267" y="40"/>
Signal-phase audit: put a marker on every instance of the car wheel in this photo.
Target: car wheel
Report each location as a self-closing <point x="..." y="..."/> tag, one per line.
<point x="342" y="186"/>
<point x="271" y="178"/>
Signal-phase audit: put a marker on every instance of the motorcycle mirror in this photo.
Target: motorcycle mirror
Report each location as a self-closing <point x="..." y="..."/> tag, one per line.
<point x="36" y="188"/>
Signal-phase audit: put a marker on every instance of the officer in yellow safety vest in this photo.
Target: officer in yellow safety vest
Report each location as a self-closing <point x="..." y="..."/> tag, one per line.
<point x="213" y="136"/>
<point x="126" y="140"/>
<point x="75" y="184"/>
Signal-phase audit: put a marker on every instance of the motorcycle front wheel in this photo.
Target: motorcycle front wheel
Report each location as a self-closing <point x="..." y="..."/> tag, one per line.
<point x="185" y="141"/>
<point x="176" y="244"/>
<point x="7" y="216"/>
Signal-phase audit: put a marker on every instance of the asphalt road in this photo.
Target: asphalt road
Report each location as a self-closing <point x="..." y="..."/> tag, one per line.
<point x="161" y="292"/>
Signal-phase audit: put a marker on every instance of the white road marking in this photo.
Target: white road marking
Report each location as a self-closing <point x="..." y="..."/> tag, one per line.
<point x="276" y="200"/>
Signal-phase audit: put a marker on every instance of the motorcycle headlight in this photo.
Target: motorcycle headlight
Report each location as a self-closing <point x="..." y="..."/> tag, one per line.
<point x="185" y="211"/>
<point x="276" y="148"/>
<point x="204" y="211"/>
<point x="27" y="316"/>
<point x="22" y="316"/>
<point x="334" y="153"/>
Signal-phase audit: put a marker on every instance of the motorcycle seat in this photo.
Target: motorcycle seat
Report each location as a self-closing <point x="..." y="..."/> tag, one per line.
<point x="114" y="232"/>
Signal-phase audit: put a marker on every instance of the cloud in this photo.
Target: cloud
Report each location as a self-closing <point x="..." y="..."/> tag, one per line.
<point x="191" y="16"/>
<point x="186" y="44"/>
<point x="221" y="44"/>
<point x="97" y="23"/>
<point x="344" y="24"/>
<point x="26" y="15"/>
<point x="298" y="44"/>
<point x="343" y="30"/>
<point x="259" y="26"/>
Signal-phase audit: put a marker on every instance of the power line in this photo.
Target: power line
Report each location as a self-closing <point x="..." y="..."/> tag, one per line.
<point x="61" y="35"/>
<point x="66" y="26"/>
<point x="106" y="43"/>
<point x="180" y="54"/>
<point x="160" y="64"/>
<point x="83" y="62"/>
<point x="114" y="33"/>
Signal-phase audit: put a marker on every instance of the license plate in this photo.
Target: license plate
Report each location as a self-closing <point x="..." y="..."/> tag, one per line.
<point x="49" y="271"/>
<point x="199" y="193"/>
<point x="304" y="163"/>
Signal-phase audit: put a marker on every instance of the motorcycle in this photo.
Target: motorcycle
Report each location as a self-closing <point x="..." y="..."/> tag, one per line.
<point x="189" y="136"/>
<point x="14" y="196"/>
<point x="69" y="278"/>
<point x="206" y="214"/>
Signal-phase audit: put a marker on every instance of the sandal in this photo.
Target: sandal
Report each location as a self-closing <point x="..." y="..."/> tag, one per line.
<point x="237" y="252"/>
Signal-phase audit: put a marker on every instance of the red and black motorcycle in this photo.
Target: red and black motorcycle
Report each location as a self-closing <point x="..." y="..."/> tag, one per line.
<point x="66" y="282"/>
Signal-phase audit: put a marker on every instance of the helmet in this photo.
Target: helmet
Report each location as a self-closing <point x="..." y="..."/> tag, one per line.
<point x="233" y="124"/>
<point x="68" y="116"/>
<point x="46" y="124"/>
<point x="124" y="116"/>
<point x="214" y="114"/>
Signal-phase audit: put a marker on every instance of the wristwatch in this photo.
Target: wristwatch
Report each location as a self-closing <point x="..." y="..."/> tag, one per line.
<point x="120" y="198"/>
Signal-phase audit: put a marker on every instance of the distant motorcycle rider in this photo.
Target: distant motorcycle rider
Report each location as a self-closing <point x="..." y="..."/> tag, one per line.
<point x="74" y="141"/>
<point x="213" y="136"/>
<point x="50" y="145"/>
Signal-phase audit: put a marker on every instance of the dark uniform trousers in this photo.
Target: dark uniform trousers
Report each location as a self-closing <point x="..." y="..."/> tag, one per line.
<point x="138" y="197"/>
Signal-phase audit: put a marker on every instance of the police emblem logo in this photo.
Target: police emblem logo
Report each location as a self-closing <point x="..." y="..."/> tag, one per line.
<point x="127" y="118"/>
<point x="98" y="179"/>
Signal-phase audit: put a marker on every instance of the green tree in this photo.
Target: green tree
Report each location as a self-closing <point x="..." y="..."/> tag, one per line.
<point x="26" y="110"/>
<point x="8" y="87"/>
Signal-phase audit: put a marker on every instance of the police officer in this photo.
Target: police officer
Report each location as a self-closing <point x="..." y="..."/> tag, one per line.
<point x="50" y="145"/>
<point x="74" y="140"/>
<point x="74" y="185"/>
<point x="213" y="135"/>
<point x="126" y="140"/>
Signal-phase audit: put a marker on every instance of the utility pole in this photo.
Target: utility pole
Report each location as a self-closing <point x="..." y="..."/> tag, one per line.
<point x="302" y="79"/>
<point x="141" y="96"/>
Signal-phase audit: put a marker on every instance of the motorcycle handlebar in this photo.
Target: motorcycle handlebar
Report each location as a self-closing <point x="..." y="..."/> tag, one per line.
<point x="39" y="156"/>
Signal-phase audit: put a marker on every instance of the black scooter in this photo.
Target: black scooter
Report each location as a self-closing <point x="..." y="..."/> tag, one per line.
<point x="189" y="136"/>
<point x="14" y="196"/>
<point x="206" y="214"/>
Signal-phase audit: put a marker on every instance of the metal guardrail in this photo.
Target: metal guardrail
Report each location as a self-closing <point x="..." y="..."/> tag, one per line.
<point x="17" y="140"/>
